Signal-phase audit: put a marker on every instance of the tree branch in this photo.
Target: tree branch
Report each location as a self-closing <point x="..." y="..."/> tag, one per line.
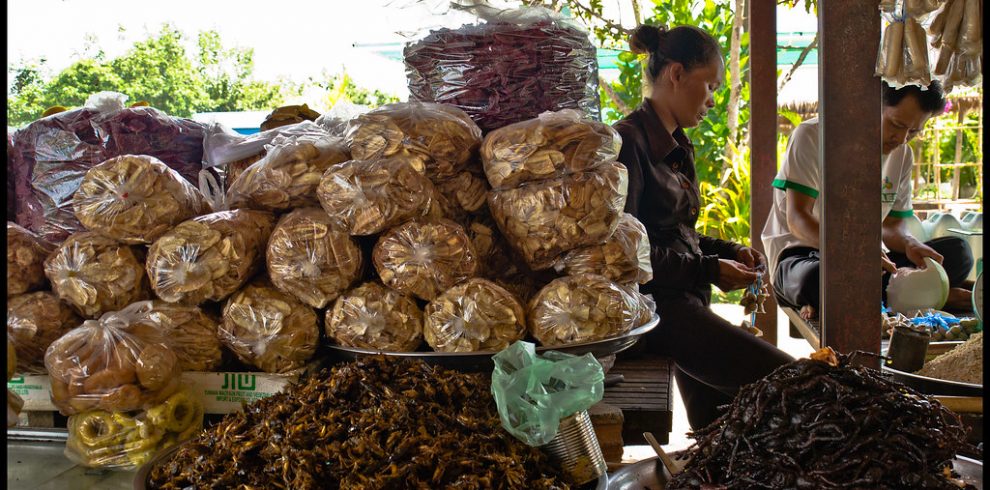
<point x="804" y="54"/>
<point x="623" y="108"/>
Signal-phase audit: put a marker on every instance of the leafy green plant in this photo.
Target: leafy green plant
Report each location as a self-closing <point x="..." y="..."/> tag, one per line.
<point x="725" y="211"/>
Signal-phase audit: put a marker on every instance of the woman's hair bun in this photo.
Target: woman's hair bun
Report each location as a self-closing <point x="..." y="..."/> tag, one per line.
<point x="645" y="39"/>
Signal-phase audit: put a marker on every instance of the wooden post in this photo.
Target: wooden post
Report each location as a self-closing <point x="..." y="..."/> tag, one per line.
<point x="763" y="134"/>
<point x="851" y="163"/>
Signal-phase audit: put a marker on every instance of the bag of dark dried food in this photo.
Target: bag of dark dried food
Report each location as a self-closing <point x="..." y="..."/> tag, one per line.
<point x="52" y="154"/>
<point x="11" y="198"/>
<point x="511" y="67"/>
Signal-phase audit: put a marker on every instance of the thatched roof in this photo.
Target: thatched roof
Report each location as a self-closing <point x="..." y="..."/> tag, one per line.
<point x="966" y="102"/>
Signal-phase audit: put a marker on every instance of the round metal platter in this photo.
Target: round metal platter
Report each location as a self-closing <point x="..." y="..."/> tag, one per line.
<point x="978" y="297"/>
<point x="482" y="361"/>
<point x="643" y="475"/>
<point x="933" y="386"/>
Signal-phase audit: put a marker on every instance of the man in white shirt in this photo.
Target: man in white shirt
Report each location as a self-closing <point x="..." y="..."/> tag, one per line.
<point x="791" y="238"/>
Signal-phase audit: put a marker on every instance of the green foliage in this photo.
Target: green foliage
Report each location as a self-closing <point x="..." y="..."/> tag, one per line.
<point x="726" y="204"/>
<point x="157" y="69"/>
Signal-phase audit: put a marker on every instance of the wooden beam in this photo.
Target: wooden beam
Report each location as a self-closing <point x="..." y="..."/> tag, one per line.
<point x="850" y="148"/>
<point x="763" y="134"/>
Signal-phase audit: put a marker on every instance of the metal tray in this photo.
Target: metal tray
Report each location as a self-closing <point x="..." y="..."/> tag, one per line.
<point x="643" y="475"/>
<point x="482" y="361"/>
<point x="934" y="386"/>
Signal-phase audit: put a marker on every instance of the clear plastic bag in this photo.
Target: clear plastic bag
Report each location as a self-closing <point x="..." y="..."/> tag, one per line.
<point x="11" y="193"/>
<point x="52" y="154"/>
<point x="288" y="175"/>
<point x="425" y="257"/>
<point x="957" y="34"/>
<point x="370" y="196"/>
<point x="623" y="258"/>
<point x="135" y="199"/>
<point x="118" y="363"/>
<point x="533" y="393"/>
<point x="233" y="152"/>
<point x="26" y="254"/>
<point x="14" y="402"/>
<point x="210" y="257"/>
<point x="475" y="315"/>
<point x="335" y="121"/>
<point x="552" y="145"/>
<point x="584" y="308"/>
<point x="96" y="274"/>
<point x="442" y="137"/>
<point x="122" y="440"/>
<point x="372" y="316"/>
<point x="269" y="329"/>
<point x="542" y="220"/>
<point x="34" y="321"/>
<point x="191" y="333"/>
<point x="312" y="257"/>
<point x="509" y="68"/>
<point x="466" y="191"/>
<point x="903" y="58"/>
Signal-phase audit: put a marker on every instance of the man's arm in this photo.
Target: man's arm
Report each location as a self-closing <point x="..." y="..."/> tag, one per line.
<point x="898" y="239"/>
<point x="800" y="217"/>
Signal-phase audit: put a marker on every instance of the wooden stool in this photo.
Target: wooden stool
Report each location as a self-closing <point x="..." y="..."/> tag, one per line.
<point x="643" y="397"/>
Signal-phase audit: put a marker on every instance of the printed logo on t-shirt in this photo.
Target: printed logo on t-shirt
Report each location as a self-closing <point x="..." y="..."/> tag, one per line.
<point x="887" y="193"/>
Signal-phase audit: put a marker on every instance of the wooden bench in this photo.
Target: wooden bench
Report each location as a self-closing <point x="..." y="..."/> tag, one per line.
<point x="643" y="396"/>
<point x="801" y="328"/>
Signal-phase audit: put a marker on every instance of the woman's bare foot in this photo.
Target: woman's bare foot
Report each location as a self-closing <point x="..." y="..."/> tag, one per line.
<point x="808" y="313"/>
<point x="959" y="299"/>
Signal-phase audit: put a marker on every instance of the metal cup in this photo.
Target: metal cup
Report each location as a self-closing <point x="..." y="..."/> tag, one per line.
<point x="908" y="348"/>
<point x="576" y="449"/>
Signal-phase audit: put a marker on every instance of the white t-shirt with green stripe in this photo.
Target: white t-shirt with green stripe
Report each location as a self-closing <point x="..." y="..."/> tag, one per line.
<point x="800" y="171"/>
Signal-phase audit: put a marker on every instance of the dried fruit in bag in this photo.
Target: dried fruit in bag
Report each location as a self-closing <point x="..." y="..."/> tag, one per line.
<point x="442" y="137"/>
<point x="585" y="308"/>
<point x="101" y="439"/>
<point x="542" y="220"/>
<point x="208" y="258"/>
<point x="288" y="175"/>
<point x="96" y="274"/>
<point x="311" y="257"/>
<point x="26" y="254"/>
<point x="553" y="144"/>
<point x="466" y="190"/>
<point x="191" y="333"/>
<point x="372" y="316"/>
<point x="34" y="321"/>
<point x="475" y="315"/>
<point x="118" y="363"/>
<point x="176" y="141"/>
<point x="134" y="199"/>
<point x="623" y="258"/>
<point x="425" y="258"/>
<point x="288" y="114"/>
<point x="269" y="329"/>
<point x="370" y="196"/>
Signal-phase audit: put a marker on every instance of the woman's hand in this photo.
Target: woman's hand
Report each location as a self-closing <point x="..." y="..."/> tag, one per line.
<point x="752" y="258"/>
<point x="734" y="275"/>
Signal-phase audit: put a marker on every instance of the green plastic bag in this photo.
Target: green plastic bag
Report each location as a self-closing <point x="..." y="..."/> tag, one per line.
<point x="534" y="393"/>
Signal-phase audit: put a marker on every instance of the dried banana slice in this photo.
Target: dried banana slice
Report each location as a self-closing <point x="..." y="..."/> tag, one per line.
<point x="475" y="315"/>
<point x="269" y="329"/>
<point x="135" y="199"/>
<point x="373" y="316"/>
<point x="311" y="257"/>
<point x="26" y="253"/>
<point x="425" y="258"/>
<point x="208" y="258"/>
<point x="96" y="274"/>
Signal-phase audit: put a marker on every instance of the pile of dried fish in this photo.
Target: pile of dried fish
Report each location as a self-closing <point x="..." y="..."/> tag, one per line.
<point x="824" y="423"/>
<point x="369" y="424"/>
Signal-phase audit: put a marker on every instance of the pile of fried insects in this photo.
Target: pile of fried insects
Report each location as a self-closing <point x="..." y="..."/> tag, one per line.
<point x="824" y="423"/>
<point x="369" y="424"/>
